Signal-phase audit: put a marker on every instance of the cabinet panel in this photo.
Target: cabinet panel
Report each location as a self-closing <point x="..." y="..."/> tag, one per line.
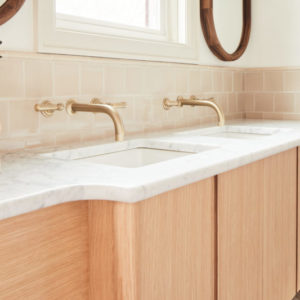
<point x="44" y="254"/>
<point x="162" y="248"/>
<point x="257" y="230"/>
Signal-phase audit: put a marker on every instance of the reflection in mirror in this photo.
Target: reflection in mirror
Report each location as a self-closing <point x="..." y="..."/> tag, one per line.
<point x="229" y="28"/>
<point x="2" y="2"/>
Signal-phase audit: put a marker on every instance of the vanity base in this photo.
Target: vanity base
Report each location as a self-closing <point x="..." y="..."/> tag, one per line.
<point x="162" y="248"/>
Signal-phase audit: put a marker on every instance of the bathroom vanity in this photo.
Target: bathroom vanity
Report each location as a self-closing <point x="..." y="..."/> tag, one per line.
<point x="230" y="234"/>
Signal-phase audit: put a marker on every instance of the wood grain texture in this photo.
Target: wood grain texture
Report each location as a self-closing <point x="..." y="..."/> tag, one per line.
<point x="161" y="248"/>
<point x="44" y="254"/>
<point x="112" y="251"/>
<point x="176" y="244"/>
<point x="211" y="36"/>
<point x="257" y="230"/>
<point x="9" y="9"/>
<point x="280" y="221"/>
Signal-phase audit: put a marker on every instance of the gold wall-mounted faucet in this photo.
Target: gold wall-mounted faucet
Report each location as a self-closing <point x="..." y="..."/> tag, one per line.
<point x="96" y="106"/>
<point x="193" y="101"/>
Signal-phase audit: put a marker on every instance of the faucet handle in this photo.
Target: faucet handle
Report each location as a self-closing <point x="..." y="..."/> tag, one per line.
<point x="47" y="108"/>
<point x="115" y="105"/>
<point x="167" y="103"/>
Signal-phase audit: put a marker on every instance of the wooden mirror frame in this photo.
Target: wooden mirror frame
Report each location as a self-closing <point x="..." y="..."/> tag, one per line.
<point x="210" y="34"/>
<point x="8" y="9"/>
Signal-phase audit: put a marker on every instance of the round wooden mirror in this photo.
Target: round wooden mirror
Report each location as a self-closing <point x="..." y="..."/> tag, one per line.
<point x="210" y="33"/>
<point x="8" y="8"/>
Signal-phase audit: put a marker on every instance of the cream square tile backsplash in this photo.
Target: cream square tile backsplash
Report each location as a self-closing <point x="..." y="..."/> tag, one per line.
<point x="27" y="79"/>
<point x="272" y="93"/>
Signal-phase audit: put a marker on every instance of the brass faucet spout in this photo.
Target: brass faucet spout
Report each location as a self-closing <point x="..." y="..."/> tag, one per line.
<point x="72" y="107"/>
<point x="209" y="103"/>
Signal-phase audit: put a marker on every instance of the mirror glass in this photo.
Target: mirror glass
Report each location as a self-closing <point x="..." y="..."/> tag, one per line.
<point x="228" y="19"/>
<point x="2" y="2"/>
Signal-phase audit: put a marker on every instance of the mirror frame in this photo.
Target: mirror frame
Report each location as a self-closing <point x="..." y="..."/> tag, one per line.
<point x="211" y="36"/>
<point x="8" y="9"/>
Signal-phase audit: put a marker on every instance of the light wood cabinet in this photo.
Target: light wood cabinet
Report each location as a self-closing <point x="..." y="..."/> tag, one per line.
<point x="44" y="254"/>
<point x="162" y="248"/>
<point x="230" y="237"/>
<point x="257" y="221"/>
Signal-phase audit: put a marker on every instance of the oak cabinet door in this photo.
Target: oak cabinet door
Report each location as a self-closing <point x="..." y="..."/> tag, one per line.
<point x="162" y="248"/>
<point x="257" y="221"/>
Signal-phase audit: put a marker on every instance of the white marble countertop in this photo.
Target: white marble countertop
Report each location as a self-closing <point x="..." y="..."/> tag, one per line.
<point x="30" y="180"/>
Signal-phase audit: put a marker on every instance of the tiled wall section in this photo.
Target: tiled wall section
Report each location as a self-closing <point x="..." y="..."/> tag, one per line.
<point x="272" y="94"/>
<point x="29" y="79"/>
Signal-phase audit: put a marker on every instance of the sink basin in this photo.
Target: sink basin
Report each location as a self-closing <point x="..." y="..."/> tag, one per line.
<point x="135" y="158"/>
<point x="132" y="154"/>
<point x="235" y="132"/>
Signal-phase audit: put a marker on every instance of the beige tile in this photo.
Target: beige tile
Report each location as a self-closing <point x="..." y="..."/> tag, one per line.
<point x="40" y="140"/>
<point x="159" y="114"/>
<point x="142" y="110"/>
<point x="88" y="135"/>
<point x="253" y="81"/>
<point x="238" y="81"/>
<point x="297" y="103"/>
<point x="245" y="102"/>
<point x="4" y="118"/>
<point x="218" y="81"/>
<point x="284" y="102"/>
<point x="12" y="144"/>
<point x="254" y="115"/>
<point x="273" y="81"/>
<point x="286" y="116"/>
<point x="66" y="79"/>
<point x="182" y="78"/>
<point x="264" y="102"/>
<point x="292" y="81"/>
<point x="66" y="137"/>
<point x="228" y="81"/>
<point x="23" y="118"/>
<point x="135" y="80"/>
<point x="195" y="81"/>
<point x="206" y="81"/>
<point x="232" y="103"/>
<point x="160" y="81"/>
<point x="57" y="123"/>
<point x="81" y="120"/>
<point x="222" y="101"/>
<point x="38" y="78"/>
<point x="91" y="80"/>
<point x="273" y="116"/>
<point x="11" y="78"/>
<point x="114" y="80"/>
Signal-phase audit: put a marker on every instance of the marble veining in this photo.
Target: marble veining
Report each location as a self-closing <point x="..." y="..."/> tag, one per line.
<point x="30" y="180"/>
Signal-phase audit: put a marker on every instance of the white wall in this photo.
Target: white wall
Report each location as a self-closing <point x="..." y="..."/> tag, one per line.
<point x="275" y="37"/>
<point x="17" y="33"/>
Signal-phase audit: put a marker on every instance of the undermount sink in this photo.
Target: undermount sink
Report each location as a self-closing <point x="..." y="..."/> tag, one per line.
<point x="135" y="158"/>
<point x="234" y="132"/>
<point x="129" y="154"/>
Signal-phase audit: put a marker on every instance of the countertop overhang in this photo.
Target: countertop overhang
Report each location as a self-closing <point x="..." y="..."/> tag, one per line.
<point x="29" y="181"/>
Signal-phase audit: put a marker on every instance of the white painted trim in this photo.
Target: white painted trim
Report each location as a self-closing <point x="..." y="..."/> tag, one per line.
<point x="138" y="44"/>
